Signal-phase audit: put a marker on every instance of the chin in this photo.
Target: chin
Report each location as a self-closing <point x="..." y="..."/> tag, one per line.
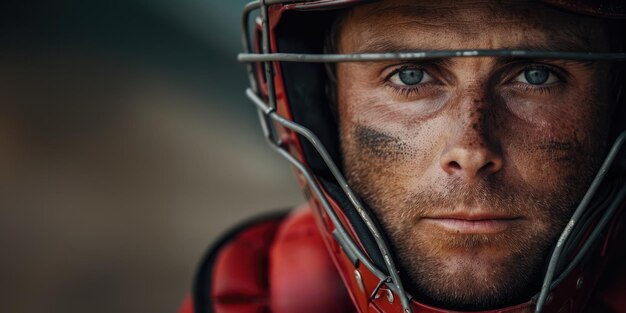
<point x="482" y="286"/>
<point x="475" y="274"/>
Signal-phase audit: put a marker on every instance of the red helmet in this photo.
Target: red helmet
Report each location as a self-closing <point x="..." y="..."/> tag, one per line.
<point x="284" y="52"/>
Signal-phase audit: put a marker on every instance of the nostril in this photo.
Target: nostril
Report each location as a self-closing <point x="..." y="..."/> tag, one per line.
<point x="454" y="165"/>
<point x="491" y="167"/>
<point x="487" y="167"/>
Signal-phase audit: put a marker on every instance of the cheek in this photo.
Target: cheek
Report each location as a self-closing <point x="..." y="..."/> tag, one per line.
<point x="386" y="164"/>
<point x="561" y="145"/>
<point x="387" y="136"/>
<point x="578" y="109"/>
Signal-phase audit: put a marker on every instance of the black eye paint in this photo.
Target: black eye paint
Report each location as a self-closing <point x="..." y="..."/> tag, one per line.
<point x="379" y="144"/>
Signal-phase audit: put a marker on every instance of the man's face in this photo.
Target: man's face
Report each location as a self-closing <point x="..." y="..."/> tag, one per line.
<point x="472" y="165"/>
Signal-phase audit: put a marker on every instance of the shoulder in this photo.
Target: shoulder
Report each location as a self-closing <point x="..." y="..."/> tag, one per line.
<point x="234" y="266"/>
<point x="276" y="263"/>
<point x="303" y="277"/>
<point x="610" y="294"/>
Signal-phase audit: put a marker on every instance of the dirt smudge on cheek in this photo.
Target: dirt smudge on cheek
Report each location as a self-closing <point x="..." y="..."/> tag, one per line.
<point x="561" y="150"/>
<point x="572" y="152"/>
<point x="579" y="140"/>
<point x="381" y="145"/>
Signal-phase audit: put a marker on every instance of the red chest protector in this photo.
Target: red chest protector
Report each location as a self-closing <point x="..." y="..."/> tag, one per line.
<point x="276" y="264"/>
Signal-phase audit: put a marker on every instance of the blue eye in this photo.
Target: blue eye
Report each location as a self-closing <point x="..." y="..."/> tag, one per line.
<point x="410" y="77"/>
<point x="537" y="76"/>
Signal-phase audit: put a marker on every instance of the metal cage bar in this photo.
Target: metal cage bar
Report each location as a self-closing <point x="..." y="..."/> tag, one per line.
<point x="268" y="114"/>
<point x="546" y="287"/>
<point x="421" y="55"/>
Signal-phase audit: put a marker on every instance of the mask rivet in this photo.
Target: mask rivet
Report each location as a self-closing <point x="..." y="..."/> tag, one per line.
<point x="579" y="282"/>
<point x="359" y="280"/>
<point x="388" y="294"/>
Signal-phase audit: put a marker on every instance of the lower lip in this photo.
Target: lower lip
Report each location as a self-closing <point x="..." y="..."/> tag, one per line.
<point x="471" y="226"/>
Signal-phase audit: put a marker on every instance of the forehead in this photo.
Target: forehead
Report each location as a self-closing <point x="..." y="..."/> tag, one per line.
<point x="409" y="24"/>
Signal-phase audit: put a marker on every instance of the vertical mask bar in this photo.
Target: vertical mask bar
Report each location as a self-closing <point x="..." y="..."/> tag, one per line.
<point x="382" y="246"/>
<point x="269" y="70"/>
<point x="584" y="203"/>
<point x="351" y="245"/>
<point x="595" y="235"/>
<point x="246" y="40"/>
<point x="269" y="74"/>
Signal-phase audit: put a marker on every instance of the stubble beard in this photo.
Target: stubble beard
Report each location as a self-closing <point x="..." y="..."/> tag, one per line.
<point x="469" y="271"/>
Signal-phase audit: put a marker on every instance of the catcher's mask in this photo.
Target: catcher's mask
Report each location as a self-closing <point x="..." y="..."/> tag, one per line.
<point x="288" y="72"/>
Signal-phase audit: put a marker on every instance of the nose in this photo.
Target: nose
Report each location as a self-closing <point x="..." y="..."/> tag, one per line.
<point x="471" y="151"/>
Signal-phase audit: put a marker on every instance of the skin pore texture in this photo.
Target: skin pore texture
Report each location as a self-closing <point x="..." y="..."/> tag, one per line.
<point x="471" y="169"/>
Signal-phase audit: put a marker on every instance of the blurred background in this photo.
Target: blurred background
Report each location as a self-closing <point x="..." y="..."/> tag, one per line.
<point x="126" y="147"/>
